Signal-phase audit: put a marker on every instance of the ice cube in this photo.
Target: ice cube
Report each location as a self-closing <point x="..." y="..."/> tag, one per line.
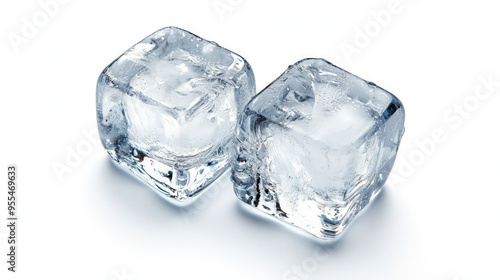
<point x="316" y="146"/>
<point x="167" y="110"/>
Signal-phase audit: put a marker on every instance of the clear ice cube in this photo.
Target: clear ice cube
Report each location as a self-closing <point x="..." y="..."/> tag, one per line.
<point x="167" y="110"/>
<point x="316" y="146"/>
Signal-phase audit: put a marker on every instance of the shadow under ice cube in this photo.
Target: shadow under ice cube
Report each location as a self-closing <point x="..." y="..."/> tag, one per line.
<point x="168" y="107"/>
<point x="316" y="146"/>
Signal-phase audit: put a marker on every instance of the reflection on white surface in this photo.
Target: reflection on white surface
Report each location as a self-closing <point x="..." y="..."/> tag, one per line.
<point x="129" y="212"/>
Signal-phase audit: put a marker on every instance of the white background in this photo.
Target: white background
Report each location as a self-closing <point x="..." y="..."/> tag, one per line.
<point x="437" y="220"/>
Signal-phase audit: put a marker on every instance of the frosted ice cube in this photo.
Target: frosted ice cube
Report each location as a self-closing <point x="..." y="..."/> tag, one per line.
<point x="167" y="110"/>
<point x="316" y="146"/>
